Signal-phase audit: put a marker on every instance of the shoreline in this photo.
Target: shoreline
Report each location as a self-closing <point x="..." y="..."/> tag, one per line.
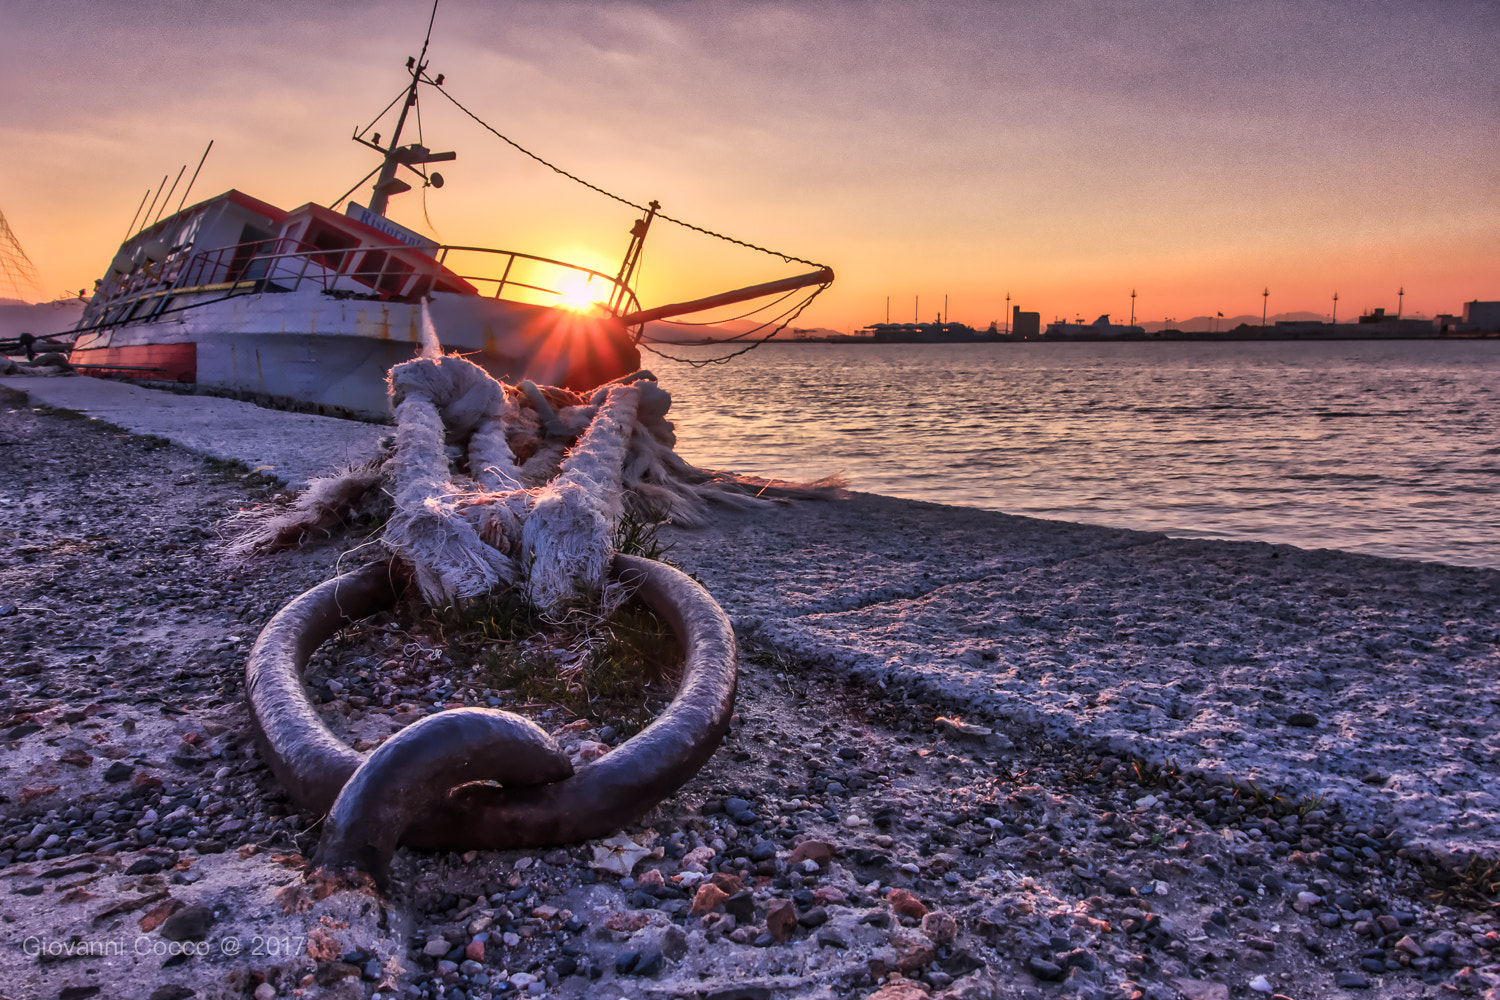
<point x="1047" y="837"/>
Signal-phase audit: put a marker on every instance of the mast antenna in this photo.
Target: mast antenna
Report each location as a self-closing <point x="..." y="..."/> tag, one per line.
<point x="397" y="155"/>
<point x="175" y="181"/>
<point x="137" y="214"/>
<point x="195" y="176"/>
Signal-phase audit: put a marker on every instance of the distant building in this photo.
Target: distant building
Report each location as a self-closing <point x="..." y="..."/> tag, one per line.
<point x="1026" y="326"/>
<point x="1482" y="315"/>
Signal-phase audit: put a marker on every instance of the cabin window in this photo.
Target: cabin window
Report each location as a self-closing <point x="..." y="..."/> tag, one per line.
<point x="253" y="240"/>
<point x="332" y="245"/>
<point x="393" y="282"/>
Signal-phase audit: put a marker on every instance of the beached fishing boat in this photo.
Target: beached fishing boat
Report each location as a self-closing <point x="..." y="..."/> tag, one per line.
<point x="310" y="307"/>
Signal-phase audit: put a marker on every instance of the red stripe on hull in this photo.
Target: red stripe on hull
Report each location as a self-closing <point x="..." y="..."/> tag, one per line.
<point x="157" y="362"/>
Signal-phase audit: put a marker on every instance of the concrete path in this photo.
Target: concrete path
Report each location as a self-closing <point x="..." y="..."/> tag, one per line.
<point x="292" y="446"/>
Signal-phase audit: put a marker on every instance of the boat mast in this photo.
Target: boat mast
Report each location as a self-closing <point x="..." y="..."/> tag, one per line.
<point x="632" y="258"/>
<point x="397" y="155"/>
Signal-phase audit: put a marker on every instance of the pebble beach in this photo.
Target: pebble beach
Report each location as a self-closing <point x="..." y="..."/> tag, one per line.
<point x="974" y="756"/>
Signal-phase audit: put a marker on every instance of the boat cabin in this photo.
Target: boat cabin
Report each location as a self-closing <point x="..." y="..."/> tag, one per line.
<point x="235" y="244"/>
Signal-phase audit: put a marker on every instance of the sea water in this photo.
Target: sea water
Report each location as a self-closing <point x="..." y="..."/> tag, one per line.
<point x="1383" y="447"/>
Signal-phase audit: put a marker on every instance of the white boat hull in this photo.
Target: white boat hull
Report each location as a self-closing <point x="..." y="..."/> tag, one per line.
<point x="330" y="354"/>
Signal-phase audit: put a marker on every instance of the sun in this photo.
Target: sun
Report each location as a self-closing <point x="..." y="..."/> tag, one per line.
<point x="582" y="295"/>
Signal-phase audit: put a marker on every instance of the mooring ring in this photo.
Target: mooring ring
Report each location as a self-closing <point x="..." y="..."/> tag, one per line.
<point x="314" y="766"/>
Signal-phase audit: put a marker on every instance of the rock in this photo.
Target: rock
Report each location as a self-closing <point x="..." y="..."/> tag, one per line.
<point x="708" y="898"/>
<point x="832" y="937"/>
<point x="980" y="985"/>
<point x="1408" y="945"/>
<point x="900" y="990"/>
<point x="939" y="926"/>
<point x="1261" y="984"/>
<point x="1302" y="720"/>
<point x="1351" y="981"/>
<point x="172" y="992"/>
<point x="118" y="771"/>
<point x="781" y="917"/>
<point x="1198" y="989"/>
<point x="729" y="883"/>
<point x="156" y="916"/>
<point x="905" y="904"/>
<point x="812" y="850"/>
<point x="1044" y="969"/>
<point x="741" y="906"/>
<point x="265" y="991"/>
<point x="648" y="963"/>
<point x="668" y="941"/>
<point x="329" y="973"/>
<point x="436" y="947"/>
<point x="625" y="922"/>
<point x="912" y="950"/>
<point x="816" y="916"/>
<point x="191" y="923"/>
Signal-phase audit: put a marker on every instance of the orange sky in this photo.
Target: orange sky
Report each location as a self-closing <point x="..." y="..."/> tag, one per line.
<point x="1062" y="152"/>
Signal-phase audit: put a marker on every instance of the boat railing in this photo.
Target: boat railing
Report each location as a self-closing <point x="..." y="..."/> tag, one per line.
<point x="397" y="272"/>
<point x="512" y="274"/>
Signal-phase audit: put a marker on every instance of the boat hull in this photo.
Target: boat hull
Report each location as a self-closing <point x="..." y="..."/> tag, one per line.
<point x="330" y="354"/>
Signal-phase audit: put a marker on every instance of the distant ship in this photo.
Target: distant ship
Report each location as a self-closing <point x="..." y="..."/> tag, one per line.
<point x="310" y="308"/>
<point x="923" y="333"/>
<point x="1099" y="329"/>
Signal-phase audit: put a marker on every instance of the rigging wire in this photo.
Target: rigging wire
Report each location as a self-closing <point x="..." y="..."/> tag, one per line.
<point x="374" y="121"/>
<point x="705" y="362"/>
<point x="790" y="259"/>
<point x="743" y="315"/>
<point x="357" y="185"/>
<point x="421" y="141"/>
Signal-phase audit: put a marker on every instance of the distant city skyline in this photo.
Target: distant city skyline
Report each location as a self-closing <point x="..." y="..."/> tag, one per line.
<point x="1063" y="153"/>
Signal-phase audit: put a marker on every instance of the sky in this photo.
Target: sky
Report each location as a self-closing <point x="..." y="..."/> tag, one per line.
<point x="1060" y="152"/>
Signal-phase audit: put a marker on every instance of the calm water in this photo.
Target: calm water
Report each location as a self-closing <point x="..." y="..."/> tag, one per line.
<point x="1385" y="448"/>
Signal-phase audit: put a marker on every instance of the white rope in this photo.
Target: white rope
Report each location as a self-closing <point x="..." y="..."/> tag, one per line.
<point x="529" y="508"/>
<point x="566" y="541"/>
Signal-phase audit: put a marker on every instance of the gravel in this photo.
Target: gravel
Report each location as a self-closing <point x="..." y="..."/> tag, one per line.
<point x="862" y="841"/>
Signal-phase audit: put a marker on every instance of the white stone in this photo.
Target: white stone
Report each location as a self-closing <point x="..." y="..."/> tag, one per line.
<point x="618" y="854"/>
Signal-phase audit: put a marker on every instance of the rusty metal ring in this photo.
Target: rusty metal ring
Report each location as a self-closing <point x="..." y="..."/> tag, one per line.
<point x="314" y="766"/>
